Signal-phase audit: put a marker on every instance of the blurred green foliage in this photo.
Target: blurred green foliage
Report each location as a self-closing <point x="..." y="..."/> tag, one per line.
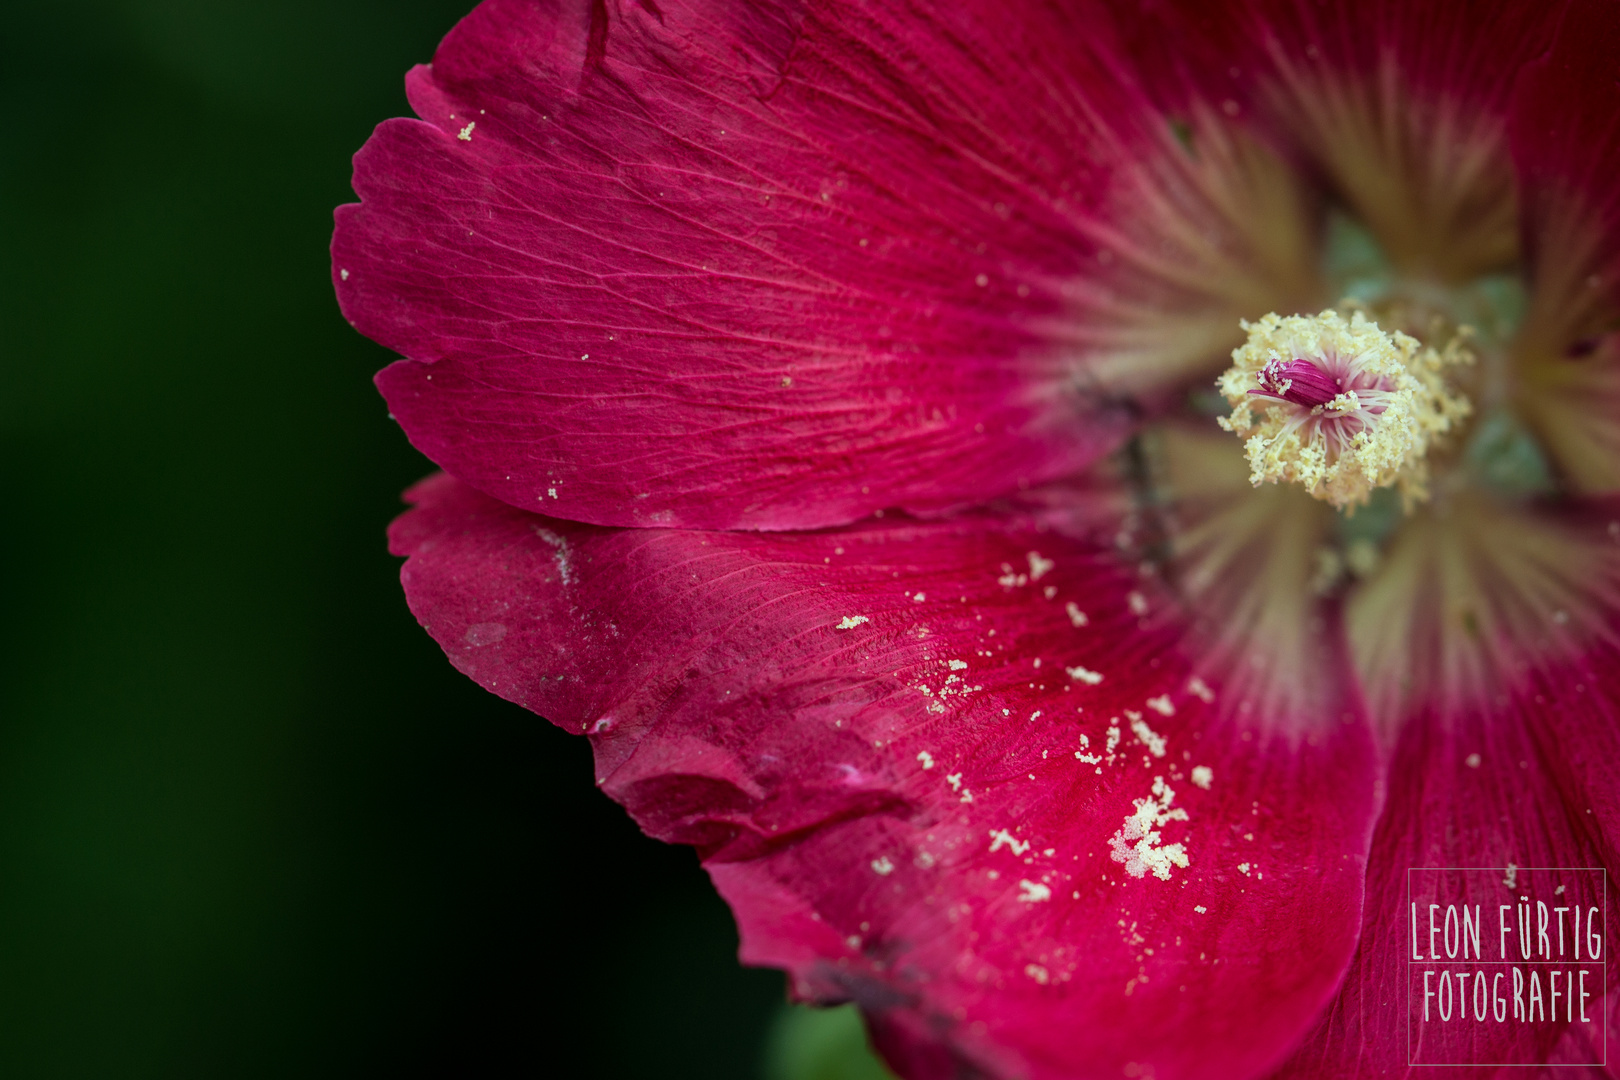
<point x="821" y="1044"/>
<point x="251" y="822"/>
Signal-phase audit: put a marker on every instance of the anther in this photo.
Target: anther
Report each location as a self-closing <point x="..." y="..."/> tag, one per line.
<point x="1339" y="407"/>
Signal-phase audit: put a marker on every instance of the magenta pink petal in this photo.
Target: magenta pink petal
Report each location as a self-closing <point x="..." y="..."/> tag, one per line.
<point x="1530" y="785"/>
<point x="1565" y="134"/>
<point x="1442" y="813"/>
<point x="1572" y="713"/>
<point x="709" y="264"/>
<point x="1515" y="773"/>
<point x="1230" y="50"/>
<point x="911" y="754"/>
<point x="1566" y="113"/>
<point x="1566" y="147"/>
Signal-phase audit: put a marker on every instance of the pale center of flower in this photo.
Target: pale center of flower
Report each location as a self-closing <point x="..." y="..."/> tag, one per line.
<point x="1339" y="406"/>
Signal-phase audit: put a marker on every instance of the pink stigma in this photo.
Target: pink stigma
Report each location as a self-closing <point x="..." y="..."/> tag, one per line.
<point x="1298" y="381"/>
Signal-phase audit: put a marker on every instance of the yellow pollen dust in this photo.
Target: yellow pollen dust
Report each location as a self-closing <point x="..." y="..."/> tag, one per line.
<point x="1339" y="406"/>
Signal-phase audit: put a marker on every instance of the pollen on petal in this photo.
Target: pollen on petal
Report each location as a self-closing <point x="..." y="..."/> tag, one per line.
<point x="1146" y="735"/>
<point x="1339" y="406"/>
<point x="1033" y="892"/>
<point x="1137" y="843"/>
<point x="1085" y="675"/>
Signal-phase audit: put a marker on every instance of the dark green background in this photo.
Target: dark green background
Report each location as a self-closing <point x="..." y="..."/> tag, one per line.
<point x="251" y="821"/>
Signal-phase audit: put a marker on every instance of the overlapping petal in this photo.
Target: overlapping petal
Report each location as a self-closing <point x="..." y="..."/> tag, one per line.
<point x="911" y="755"/>
<point x="1466" y="789"/>
<point x="1490" y="652"/>
<point x="1401" y="109"/>
<point x="632" y="250"/>
<point x="1566" y="146"/>
<point x="775" y="266"/>
<point x="1221" y="49"/>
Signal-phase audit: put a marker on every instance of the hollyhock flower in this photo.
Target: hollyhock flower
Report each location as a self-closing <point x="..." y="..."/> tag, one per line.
<point x="827" y="397"/>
